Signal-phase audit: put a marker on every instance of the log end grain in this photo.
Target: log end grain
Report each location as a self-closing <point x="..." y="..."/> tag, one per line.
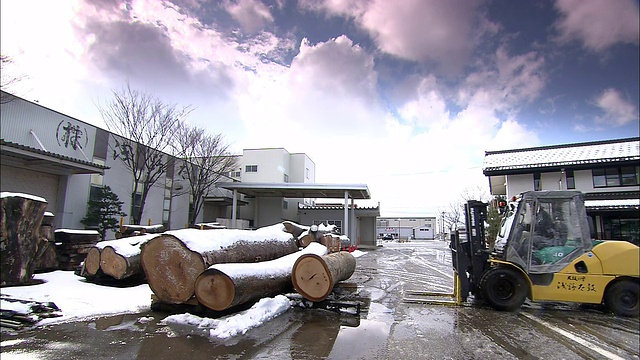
<point x="92" y="261"/>
<point x="112" y="263"/>
<point x="311" y="277"/>
<point x="215" y="290"/>
<point x="171" y="268"/>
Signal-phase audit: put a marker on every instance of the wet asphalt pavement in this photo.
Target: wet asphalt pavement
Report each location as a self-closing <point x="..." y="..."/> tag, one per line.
<point x="387" y="327"/>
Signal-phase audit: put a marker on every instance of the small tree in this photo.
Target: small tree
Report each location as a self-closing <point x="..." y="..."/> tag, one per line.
<point x="103" y="211"/>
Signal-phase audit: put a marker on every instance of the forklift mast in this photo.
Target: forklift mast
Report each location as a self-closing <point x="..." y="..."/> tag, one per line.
<point x="470" y="255"/>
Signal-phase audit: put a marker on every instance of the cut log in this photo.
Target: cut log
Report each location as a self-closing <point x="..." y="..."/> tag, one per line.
<point x="294" y="229"/>
<point x="119" y="266"/>
<point x="173" y="261"/>
<point x="223" y="286"/>
<point x="315" y="233"/>
<point x="208" y="226"/>
<point x="119" y="258"/>
<point x="315" y="276"/>
<point x="20" y="219"/>
<point x="129" y="230"/>
<point x="92" y="262"/>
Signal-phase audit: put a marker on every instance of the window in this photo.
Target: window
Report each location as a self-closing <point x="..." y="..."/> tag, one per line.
<point x="234" y="174"/>
<point x="537" y="185"/>
<point x="630" y="175"/>
<point x="616" y="176"/>
<point x="285" y="204"/>
<point x="286" y="178"/>
<point x="306" y="172"/>
<point x="251" y="168"/>
<point x="571" y="181"/>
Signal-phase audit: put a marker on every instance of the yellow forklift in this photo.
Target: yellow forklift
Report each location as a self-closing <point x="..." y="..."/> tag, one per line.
<point x="544" y="252"/>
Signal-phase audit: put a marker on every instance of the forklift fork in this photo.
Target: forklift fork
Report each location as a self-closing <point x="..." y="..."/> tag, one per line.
<point x="469" y="256"/>
<point x="435" y="298"/>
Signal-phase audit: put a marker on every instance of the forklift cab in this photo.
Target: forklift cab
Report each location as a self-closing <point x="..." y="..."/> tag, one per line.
<point x="547" y="231"/>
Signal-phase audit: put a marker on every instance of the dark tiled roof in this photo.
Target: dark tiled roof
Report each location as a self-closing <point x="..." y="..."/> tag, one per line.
<point x="53" y="155"/>
<point x="333" y="207"/>
<point x="598" y="152"/>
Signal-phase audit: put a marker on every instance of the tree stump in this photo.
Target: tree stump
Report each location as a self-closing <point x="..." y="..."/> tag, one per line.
<point x="20" y="219"/>
<point x="315" y="276"/>
<point x="223" y="286"/>
<point x="173" y="261"/>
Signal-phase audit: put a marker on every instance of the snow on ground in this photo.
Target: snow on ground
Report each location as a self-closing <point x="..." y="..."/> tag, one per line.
<point x="78" y="299"/>
<point x="81" y="300"/>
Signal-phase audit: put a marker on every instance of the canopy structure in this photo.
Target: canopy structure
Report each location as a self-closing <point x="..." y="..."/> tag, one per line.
<point x="299" y="190"/>
<point x="44" y="161"/>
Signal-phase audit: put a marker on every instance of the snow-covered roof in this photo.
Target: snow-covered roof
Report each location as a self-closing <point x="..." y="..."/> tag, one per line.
<point x="598" y="152"/>
<point x="619" y="204"/>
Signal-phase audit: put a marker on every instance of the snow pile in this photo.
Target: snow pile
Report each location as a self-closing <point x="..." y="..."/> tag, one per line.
<point x="239" y="323"/>
<point x="78" y="299"/>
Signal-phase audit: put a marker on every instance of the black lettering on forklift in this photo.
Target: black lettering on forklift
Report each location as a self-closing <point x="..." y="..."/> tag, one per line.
<point x="576" y="278"/>
<point x="571" y="286"/>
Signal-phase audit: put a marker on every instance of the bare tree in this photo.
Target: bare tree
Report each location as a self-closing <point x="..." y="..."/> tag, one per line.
<point x="453" y="216"/>
<point x="146" y="126"/>
<point x="205" y="159"/>
<point x="6" y="81"/>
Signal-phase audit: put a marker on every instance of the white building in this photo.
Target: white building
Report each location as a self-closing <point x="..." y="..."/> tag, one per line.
<point x="607" y="172"/>
<point x="61" y="159"/>
<point x="404" y="228"/>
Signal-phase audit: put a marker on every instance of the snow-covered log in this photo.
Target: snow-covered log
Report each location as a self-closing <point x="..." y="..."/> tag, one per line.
<point x="20" y="219"/>
<point x="315" y="276"/>
<point x="315" y="233"/>
<point x="130" y="230"/>
<point x="121" y="258"/>
<point x="222" y="286"/>
<point x="173" y="261"/>
<point x="294" y="229"/>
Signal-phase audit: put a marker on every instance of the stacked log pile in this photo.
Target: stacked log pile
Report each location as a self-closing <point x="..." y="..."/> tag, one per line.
<point x="72" y="246"/>
<point x="134" y="230"/>
<point x="173" y="261"/>
<point x="222" y="286"/>
<point x="20" y="218"/>
<point x="219" y="269"/>
<point x="119" y="258"/>
<point x="324" y="234"/>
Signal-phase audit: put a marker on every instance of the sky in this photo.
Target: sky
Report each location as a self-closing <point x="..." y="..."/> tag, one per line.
<point x="404" y="96"/>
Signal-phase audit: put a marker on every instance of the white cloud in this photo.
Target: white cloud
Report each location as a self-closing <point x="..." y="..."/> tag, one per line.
<point x="252" y="15"/>
<point x="617" y="110"/>
<point x="598" y="24"/>
<point x="435" y="31"/>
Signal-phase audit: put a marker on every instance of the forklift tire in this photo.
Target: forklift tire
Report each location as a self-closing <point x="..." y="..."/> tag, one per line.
<point x="622" y="298"/>
<point x="504" y="289"/>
